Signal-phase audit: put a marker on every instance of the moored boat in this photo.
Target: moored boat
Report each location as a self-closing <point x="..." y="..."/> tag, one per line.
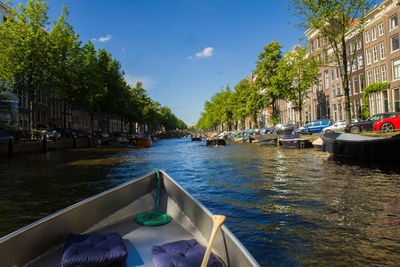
<point x="196" y="138"/>
<point x="216" y="142"/>
<point x="318" y="143"/>
<point x="41" y="243"/>
<point x="142" y="142"/>
<point x="294" y="141"/>
<point x="268" y="139"/>
<point x="346" y="145"/>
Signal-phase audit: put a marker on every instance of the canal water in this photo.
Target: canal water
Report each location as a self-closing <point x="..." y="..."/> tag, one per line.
<point x="288" y="207"/>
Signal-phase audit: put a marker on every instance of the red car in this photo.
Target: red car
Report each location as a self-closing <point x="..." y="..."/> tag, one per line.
<point x="387" y="125"/>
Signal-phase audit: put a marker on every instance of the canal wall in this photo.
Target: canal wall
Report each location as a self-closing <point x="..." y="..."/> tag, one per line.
<point x="10" y="146"/>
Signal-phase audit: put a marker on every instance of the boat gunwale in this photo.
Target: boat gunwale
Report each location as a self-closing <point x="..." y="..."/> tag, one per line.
<point x="71" y="207"/>
<point x="38" y="228"/>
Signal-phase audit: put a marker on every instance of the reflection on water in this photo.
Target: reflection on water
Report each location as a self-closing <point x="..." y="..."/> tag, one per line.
<point x="288" y="207"/>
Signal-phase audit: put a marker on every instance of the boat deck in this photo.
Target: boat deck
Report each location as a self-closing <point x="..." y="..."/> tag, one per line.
<point x="138" y="239"/>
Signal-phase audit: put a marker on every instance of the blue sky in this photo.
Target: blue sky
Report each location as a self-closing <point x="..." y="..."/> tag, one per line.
<point x="183" y="51"/>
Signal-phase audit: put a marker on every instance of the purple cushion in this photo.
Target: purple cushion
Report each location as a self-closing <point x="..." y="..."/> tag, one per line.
<point x="97" y="249"/>
<point x="182" y="253"/>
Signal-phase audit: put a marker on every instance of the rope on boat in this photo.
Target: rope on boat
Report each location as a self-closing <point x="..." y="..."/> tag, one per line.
<point x="157" y="217"/>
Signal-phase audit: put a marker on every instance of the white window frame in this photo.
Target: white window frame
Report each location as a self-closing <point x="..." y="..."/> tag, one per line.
<point x="368" y="56"/>
<point x="360" y="61"/>
<point x="366" y="36"/>
<point x="369" y="77"/>
<point x="391" y="26"/>
<point x="375" y="55"/>
<point x="382" y="50"/>
<point x="354" y="65"/>
<point x="383" y="73"/>
<point x="380" y="29"/>
<point x="359" y="43"/>
<point x="391" y="43"/>
<point x="396" y="69"/>
<point x="333" y="89"/>
<point x="376" y="75"/>
<point x="373" y="33"/>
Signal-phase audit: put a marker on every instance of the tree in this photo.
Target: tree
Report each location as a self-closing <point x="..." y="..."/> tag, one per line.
<point x="65" y="52"/>
<point x="296" y="74"/>
<point x="25" y="51"/>
<point x="266" y="70"/>
<point x="92" y="88"/>
<point x="334" y="20"/>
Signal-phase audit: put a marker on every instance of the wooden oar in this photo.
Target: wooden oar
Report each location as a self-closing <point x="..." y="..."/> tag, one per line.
<point x="218" y="220"/>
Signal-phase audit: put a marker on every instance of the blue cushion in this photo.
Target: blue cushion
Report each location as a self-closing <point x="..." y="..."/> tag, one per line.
<point x="97" y="249"/>
<point x="182" y="253"/>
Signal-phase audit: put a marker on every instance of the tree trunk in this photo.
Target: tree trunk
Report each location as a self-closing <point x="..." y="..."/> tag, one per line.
<point x="345" y="82"/>
<point x="65" y="115"/>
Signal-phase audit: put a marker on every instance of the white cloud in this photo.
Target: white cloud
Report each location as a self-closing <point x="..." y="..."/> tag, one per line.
<point x="103" y="39"/>
<point x="148" y="83"/>
<point x="207" y="52"/>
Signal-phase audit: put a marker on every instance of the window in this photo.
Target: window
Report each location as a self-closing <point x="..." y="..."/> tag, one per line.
<point x="380" y="29"/>
<point x="368" y="52"/>
<point x="338" y="89"/>
<point x="354" y="65"/>
<point x="360" y="61"/>
<point x="376" y="75"/>
<point x="375" y="53"/>
<point x="318" y="44"/>
<point x="312" y="46"/>
<point x="332" y="75"/>
<point x="395" y="42"/>
<point x="369" y="77"/>
<point x="358" y="43"/>
<point x="337" y="73"/>
<point x="373" y="34"/>
<point x="394" y="22"/>
<point x="367" y="37"/>
<point x="385" y="101"/>
<point x="333" y="91"/>
<point x="326" y="78"/>
<point x="371" y="105"/>
<point x="352" y="48"/>
<point x="396" y="100"/>
<point x="362" y="82"/>
<point x="396" y="70"/>
<point x="355" y="85"/>
<point x="379" y="102"/>
<point x="382" y="50"/>
<point x="383" y="72"/>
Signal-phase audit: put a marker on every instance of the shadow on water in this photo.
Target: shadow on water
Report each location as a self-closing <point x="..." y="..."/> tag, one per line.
<point x="287" y="206"/>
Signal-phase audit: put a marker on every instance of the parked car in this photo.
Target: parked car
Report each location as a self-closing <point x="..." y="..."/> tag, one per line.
<point x="314" y="127"/>
<point x="284" y="128"/>
<point x="338" y="126"/>
<point x="367" y="125"/>
<point x="387" y="125"/>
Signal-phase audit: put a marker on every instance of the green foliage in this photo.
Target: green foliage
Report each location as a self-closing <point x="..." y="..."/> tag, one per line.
<point x="34" y="57"/>
<point x="266" y="71"/>
<point x="372" y="88"/>
<point x="296" y="74"/>
<point x="334" y="20"/>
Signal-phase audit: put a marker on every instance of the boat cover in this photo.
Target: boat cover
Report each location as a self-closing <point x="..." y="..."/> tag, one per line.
<point x="182" y="253"/>
<point x="97" y="249"/>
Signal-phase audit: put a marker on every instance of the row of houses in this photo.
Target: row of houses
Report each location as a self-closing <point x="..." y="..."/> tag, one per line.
<point x="374" y="57"/>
